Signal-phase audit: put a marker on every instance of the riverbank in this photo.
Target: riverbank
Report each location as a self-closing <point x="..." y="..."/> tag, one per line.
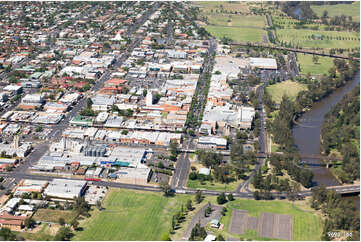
<point x="307" y="131"/>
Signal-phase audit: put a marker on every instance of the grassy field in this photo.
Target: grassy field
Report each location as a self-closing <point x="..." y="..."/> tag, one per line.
<point x="289" y="88"/>
<point x="237" y="33"/>
<point x="251" y="21"/>
<point x="216" y="186"/>
<point x="232" y="20"/>
<point x="303" y="38"/>
<point x="208" y="7"/>
<point x="338" y="9"/>
<point x="131" y="215"/>
<point x="306" y="225"/>
<point x="50" y="215"/>
<point x="308" y="66"/>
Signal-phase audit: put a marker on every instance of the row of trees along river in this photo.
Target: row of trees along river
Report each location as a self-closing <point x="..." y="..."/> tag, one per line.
<point x="309" y="109"/>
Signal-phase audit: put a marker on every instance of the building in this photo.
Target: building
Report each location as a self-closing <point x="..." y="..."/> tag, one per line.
<point x="246" y="115"/>
<point x="65" y="189"/>
<point x="210" y="142"/>
<point x="263" y="63"/>
<point x="12" y="222"/>
<point x="149" y="99"/>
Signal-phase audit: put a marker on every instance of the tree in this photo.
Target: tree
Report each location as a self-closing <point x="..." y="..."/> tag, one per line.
<point x="189" y="205"/>
<point x="199" y="196"/>
<point x="7" y="234"/>
<point x="220" y="238"/>
<point x="166" y="189"/>
<point x="63" y="234"/>
<point x="74" y="223"/>
<point x="29" y="222"/>
<point x="89" y="103"/>
<point x="256" y="195"/>
<point x="166" y="237"/>
<point x="221" y="199"/>
<point x="39" y="128"/>
<point x="61" y="221"/>
<point x="99" y="205"/>
<point x="315" y="59"/>
<point x="230" y="197"/>
<point x="198" y="233"/>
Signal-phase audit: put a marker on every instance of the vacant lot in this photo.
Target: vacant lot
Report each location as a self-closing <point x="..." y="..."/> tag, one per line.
<point x="306" y="225"/>
<point x="338" y="9"/>
<point x="308" y="66"/>
<point x="289" y="88"/>
<point x="131" y="215"/>
<point x="50" y="215"/>
<point x="318" y="38"/>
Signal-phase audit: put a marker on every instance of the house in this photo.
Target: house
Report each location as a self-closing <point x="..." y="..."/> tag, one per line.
<point x="215" y="223"/>
<point x="12" y="222"/>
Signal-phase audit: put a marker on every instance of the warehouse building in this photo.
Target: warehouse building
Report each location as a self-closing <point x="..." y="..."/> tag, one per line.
<point x="263" y="63"/>
<point x="65" y="189"/>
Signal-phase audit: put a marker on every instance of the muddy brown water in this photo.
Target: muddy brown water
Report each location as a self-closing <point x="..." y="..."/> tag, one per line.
<point x="307" y="132"/>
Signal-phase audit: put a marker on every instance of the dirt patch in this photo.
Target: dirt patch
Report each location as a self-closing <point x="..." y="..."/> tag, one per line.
<point x="229" y="23"/>
<point x="238" y="222"/>
<point x="252" y="223"/>
<point x="279" y="226"/>
<point x="268" y="225"/>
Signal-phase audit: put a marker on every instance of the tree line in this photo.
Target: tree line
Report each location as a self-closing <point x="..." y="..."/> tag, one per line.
<point x="341" y="214"/>
<point x="340" y="132"/>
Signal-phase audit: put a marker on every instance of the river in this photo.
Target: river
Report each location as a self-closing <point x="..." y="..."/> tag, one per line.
<point x="307" y="134"/>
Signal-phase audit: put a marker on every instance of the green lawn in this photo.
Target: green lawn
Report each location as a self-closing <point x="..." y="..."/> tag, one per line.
<point x="224" y="22"/>
<point x="236" y="33"/>
<point x="306" y="225"/>
<point x="338" y="9"/>
<point x="250" y="21"/>
<point x="308" y="66"/>
<point x="50" y="215"/>
<point x="216" y="186"/>
<point x="207" y="7"/>
<point x="303" y="38"/>
<point x="131" y="215"/>
<point x="289" y="88"/>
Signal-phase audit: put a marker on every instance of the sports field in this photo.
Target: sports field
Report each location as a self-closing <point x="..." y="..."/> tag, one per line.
<point x="308" y="66"/>
<point x="289" y="88"/>
<point x="131" y="215"/>
<point x="213" y="6"/>
<point x="319" y="39"/>
<point x="306" y="225"/>
<point x="338" y="9"/>
<point x="232" y="20"/>
<point x="237" y="33"/>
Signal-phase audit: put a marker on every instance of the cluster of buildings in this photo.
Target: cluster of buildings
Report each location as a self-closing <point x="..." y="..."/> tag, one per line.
<point x="30" y="195"/>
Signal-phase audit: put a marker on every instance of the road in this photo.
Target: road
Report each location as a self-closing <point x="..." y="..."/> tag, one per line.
<point x="182" y="167"/>
<point x="249" y="195"/>
<point x="261" y="140"/>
